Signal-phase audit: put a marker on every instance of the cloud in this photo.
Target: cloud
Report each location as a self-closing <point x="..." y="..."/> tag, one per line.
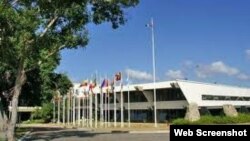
<point x="217" y="67"/>
<point x="174" y="74"/>
<point x="139" y="75"/>
<point x="243" y="76"/>
<point x="247" y="53"/>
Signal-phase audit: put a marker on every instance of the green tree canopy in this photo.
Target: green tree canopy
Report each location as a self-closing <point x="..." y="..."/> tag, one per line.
<point x="32" y="32"/>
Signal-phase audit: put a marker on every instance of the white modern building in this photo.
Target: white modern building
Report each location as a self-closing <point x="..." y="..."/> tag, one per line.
<point x="172" y="98"/>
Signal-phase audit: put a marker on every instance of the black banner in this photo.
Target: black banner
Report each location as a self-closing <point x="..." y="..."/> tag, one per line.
<point x="178" y="132"/>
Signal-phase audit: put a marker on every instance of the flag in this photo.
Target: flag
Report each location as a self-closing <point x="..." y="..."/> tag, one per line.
<point x="112" y="84"/>
<point x="151" y="24"/>
<point x="84" y="83"/>
<point x="92" y="84"/>
<point x="104" y="83"/>
<point x="118" y="76"/>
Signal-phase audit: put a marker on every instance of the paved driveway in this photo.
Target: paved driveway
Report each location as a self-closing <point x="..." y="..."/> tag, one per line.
<point x="57" y="134"/>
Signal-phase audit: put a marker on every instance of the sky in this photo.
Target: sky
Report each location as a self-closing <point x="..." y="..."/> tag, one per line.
<point x="198" y="40"/>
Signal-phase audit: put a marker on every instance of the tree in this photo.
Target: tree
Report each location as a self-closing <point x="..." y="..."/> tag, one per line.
<point x="33" y="32"/>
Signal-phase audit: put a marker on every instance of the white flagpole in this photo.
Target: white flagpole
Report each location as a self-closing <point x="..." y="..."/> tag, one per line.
<point x="122" y="117"/>
<point x="114" y="103"/>
<point x="72" y="108"/>
<point x="105" y="104"/>
<point x="68" y="109"/>
<point x="105" y="109"/>
<point x="91" y="109"/>
<point x="101" y="106"/>
<point x="95" y="110"/>
<point x="64" y="98"/>
<point x="54" y="110"/>
<point x="83" y="108"/>
<point x="95" y="96"/>
<point x="153" y="59"/>
<point x="58" y="107"/>
<point x="87" y="112"/>
<point x="128" y="102"/>
<point x="108" y="107"/>
<point x="79" y="111"/>
<point x="88" y="123"/>
<point x="74" y="112"/>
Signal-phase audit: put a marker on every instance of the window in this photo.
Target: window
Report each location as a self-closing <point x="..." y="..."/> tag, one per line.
<point x="169" y="94"/>
<point x="224" y="98"/>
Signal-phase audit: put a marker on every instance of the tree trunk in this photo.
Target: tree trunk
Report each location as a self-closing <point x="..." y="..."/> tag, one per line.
<point x="3" y="121"/>
<point x="20" y="80"/>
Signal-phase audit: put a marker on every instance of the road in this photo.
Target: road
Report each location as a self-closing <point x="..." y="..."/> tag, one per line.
<point x="48" y="134"/>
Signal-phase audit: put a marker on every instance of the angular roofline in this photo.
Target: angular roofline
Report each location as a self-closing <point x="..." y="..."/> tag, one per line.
<point x="213" y="84"/>
<point x="147" y="85"/>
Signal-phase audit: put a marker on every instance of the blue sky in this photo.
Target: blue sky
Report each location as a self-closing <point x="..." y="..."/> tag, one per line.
<point x="201" y="40"/>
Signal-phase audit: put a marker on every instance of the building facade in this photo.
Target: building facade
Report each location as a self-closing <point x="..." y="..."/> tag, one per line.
<point x="172" y="98"/>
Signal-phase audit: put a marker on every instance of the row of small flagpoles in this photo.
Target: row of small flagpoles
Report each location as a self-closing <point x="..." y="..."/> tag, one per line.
<point x="79" y="110"/>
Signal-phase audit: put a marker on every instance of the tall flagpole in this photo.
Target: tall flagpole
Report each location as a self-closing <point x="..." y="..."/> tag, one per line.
<point x="153" y="59"/>
<point x="114" y="103"/>
<point x="101" y="106"/>
<point x="54" y="110"/>
<point x="64" y="98"/>
<point x="95" y="95"/>
<point x="68" y="108"/>
<point x="74" y="108"/>
<point x="95" y="110"/>
<point x="90" y="107"/>
<point x="79" y="111"/>
<point x="105" y="104"/>
<point x="58" y="106"/>
<point x="128" y="102"/>
<point x="108" y="105"/>
<point x="105" y="108"/>
<point x="83" y="110"/>
<point x="122" y="117"/>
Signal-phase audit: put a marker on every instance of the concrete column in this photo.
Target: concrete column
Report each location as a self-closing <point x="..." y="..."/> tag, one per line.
<point x="149" y="96"/>
<point x="192" y="113"/>
<point x="230" y="110"/>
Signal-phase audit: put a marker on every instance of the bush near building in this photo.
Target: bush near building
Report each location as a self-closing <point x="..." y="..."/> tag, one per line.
<point x="44" y="114"/>
<point x="208" y="119"/>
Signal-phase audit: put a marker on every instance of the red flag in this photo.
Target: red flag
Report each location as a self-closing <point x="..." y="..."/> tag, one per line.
<point x="93" y="84"/>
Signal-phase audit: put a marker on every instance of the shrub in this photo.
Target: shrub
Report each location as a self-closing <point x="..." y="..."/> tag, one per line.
<point x="45" y="113"/>
<point x="241" y="118"/>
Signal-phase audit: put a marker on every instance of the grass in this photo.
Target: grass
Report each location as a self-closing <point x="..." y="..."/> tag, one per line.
<point x="241" y="118"/>
<point x="33" y="121"/>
